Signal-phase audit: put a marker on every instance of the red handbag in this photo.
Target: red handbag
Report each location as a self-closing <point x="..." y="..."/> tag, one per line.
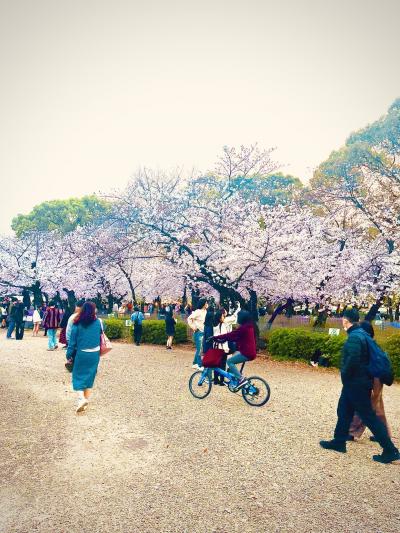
<point x="213" y="357"/>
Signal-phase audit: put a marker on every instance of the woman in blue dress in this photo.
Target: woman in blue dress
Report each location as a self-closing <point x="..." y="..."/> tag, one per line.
<point x="84" y="349"/>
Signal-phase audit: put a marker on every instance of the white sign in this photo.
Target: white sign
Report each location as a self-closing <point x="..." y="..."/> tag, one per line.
<point x="334" y="331"/>
<point x="128" y="323"/>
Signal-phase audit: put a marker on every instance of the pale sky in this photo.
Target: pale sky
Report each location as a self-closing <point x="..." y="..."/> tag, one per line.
<point x="93" y="89"/>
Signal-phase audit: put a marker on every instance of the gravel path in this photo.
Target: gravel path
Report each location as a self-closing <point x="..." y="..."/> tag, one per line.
<point x="147" y="457"/>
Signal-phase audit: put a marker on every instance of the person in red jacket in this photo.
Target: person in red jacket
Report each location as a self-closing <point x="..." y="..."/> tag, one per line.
<point x="245" y="339"/>
<point x="51" y="321"/>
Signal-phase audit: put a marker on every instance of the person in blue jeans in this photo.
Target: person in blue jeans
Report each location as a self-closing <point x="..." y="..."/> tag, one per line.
<point x="137" y="319"/>
<point x="11" y="319"/>
<point x="196" y="323"/>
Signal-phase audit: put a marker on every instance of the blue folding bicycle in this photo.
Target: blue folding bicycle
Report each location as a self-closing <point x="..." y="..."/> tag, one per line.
<point x="256" y="392"/>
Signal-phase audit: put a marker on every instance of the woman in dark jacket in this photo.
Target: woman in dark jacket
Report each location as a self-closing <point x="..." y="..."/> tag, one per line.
<point x="244" y="337"/>
<point x="170" y="323"/>
<point x="63" y="326"/>
<point x="208" y="328"/>
<point x="20" y="314"/>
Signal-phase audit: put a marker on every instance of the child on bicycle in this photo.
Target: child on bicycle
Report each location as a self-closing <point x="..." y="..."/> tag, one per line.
<point x="245" y="340"/>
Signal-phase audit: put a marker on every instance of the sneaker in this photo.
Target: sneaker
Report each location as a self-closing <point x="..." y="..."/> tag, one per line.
<point x="200" y="367"/>
<point x="50" y="349"/>
<point x="195" y="366"/>
<point x="242" y="383"/>
<point x="314" y="364"/>
<point x="387" y="457"/>
<point x="335" y="445"/>
<point x="82" y="405"/>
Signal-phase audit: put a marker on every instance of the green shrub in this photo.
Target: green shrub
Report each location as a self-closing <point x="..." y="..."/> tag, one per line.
<point x="295" y="343"/>
<point x="332" y="348"/>
<point x="392" y="347"/>
<point x="113" y="328"/>
<point x="302" y="344"/>
<point x="154" y="332"/>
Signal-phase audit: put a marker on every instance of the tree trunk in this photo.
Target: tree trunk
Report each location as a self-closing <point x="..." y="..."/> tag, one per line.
<point x="290" y="308"/>
<point x="26" y="298"/>
<point x="71" y="299"/>
<point x="369" y="317"/>
<point x="278" y="311"/>
<point x="195" y="298"/>
<point x="110" y="302"/>
<point x="184" y="296"/>
<point x="390" y="309"/>
<point x="37" y="294"/>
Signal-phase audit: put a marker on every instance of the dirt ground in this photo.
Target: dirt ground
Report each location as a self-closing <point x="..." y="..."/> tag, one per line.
<point x="148" y="457"/>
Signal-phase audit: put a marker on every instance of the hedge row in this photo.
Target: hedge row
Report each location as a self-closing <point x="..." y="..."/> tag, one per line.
<point x="301" y="344"/>
<point x="153" y="331"/>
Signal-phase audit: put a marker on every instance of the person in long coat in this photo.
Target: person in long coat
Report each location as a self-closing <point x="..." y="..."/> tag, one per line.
<point x="84" y="349"/>
<point x="170" y="324"/>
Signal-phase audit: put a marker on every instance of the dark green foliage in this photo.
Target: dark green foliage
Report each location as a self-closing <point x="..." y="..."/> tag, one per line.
<point x="392" y="347"/>
<point x="273" y="189"/>
<point x="61" y="216"/>
<point x="301" y="344"/>
<point x="113" y="328"/>
<point x="298" y="343"/>
<point x="154" y="332"/>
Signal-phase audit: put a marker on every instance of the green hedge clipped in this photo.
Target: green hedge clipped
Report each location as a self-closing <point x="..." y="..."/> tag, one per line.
<point x="392" y="347"/>
<point x="301" y="344"/>
<point x="113" y="328"/>
<point x="154" y="332"/>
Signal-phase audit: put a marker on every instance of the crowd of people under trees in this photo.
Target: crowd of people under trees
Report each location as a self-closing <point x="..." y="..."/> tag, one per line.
<point x="242" y="234"/>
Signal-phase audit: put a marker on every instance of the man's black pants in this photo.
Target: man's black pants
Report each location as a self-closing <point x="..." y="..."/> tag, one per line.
<point x="19" y="330"/>
<point x="357" y="398"/>
<point x="137" y="333"/>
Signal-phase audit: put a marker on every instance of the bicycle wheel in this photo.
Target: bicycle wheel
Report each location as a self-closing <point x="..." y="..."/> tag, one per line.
<point x="199" y="386"/>
<point x="256" y="392"/>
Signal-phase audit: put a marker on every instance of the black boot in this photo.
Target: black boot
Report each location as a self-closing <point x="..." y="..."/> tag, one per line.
<point x="335" y="445"/>
<point x="387" y="456"/>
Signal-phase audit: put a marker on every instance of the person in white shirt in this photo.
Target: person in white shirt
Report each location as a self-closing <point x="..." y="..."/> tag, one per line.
<point x="36" y="318"/>
<point x="196" y="323"/>
<point x="222" y="325"/>
<point x="3" y="310"/>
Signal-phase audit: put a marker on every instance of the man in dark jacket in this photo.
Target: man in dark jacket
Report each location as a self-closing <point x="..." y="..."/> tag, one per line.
<point x="11" y="318"/>
<point x="356" y="393"/>
<point x="19" y="321"/>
